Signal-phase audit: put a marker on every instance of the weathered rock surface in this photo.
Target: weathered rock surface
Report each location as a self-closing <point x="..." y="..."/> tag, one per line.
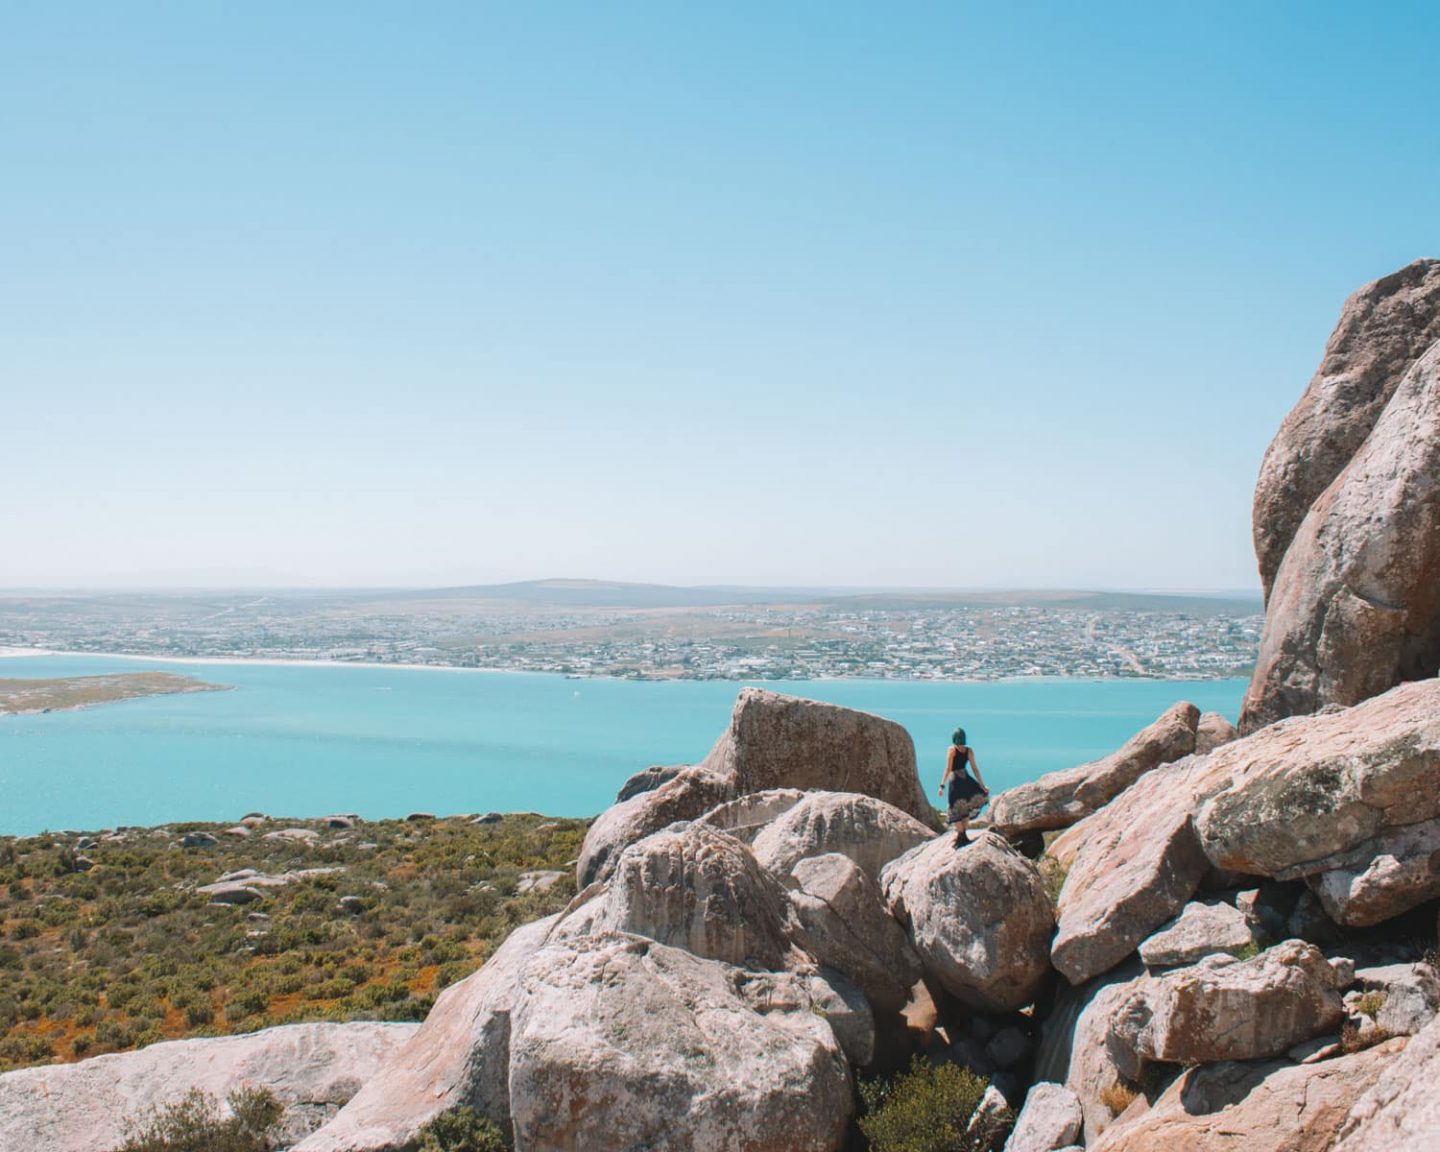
<point x="690" y="794"/>
<point x="1228" y="1009"/>
<point x="1383" y="877"/>
<point x="692" y="886"/>
<point x="745" y="1064"/>
<point x="312" y="1069"/>
<point x="845" y="925"/>
<point x="1199" y="931"/>
<point x="1410" y="992"/>
<point x="1355" y="608"/>
<point x="1261" y="1107"/>
<point x="459" y="1057"/>
<point x="1059" y="799"/>
<point x="745" y="816"/>
<point x="1316" y="786"/>
<point x="1132" y="866"/>
<point x="1383" y="329"/>
<point x="1051" y="1119"/>
<point x="1401" y="1112"/>
<point x="1212" y="732"/>
<point x="868" y="831"/>
<point x="777" y="741"/>
<point x="978" y="916"/>
<point x="845" y="1008"/>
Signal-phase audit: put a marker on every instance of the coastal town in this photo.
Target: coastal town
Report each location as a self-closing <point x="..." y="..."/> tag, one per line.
<point x="858" y="637"/>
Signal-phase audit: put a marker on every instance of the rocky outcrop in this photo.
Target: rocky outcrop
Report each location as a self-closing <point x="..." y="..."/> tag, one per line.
<point x="1314" y="787"/>
<point x="868" y="831"/>
<point x="1200" y="930"/>
<point x="1060" y="799"/>
<point x="1384" y="328"/>
<point x="777" y="741"/>
<point x="845" y="925"/>
<point x="647" y="780"/>
<point x="979" y="918"/>
<point x="773" y="742"/>
<point x="1355" y="608"/>
<point x="649" y="1047"/>
<point x="312" y="1069"/>
<point x="1401" y="1112"/>
<point x="1228" y="1009"/>
<point x="1260" y="1107"/>
<point x="1409" y="995"/>
<point x="459" y="1057"/>
<point x="1051" y="1119"/>
<point x="693" y="887"/>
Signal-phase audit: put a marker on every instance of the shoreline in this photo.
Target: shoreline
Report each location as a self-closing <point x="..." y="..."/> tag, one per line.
<point x="303" y="662"/>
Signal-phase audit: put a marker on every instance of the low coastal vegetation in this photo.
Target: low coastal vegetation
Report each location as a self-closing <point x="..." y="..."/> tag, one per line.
<point x="196" y="1123"/>
<point x="107" y="941"/>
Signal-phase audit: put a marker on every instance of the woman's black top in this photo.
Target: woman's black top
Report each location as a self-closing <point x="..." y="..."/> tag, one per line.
<point x="962" y="784"/>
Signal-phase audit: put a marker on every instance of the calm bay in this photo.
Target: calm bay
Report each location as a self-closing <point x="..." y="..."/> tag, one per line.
<point x="300" y="740"/>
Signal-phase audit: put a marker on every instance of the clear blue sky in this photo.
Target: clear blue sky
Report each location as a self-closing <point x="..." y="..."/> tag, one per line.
<point x="820" y="293"/>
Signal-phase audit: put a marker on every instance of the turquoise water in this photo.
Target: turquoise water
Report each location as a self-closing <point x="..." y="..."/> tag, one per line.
<point x="306" y="741"/>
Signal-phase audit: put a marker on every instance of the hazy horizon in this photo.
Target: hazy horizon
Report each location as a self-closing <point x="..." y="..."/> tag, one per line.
<point x="935" y="296"/>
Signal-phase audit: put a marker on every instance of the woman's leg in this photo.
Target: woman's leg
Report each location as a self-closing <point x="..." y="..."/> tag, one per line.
<point x="960" y="829"/>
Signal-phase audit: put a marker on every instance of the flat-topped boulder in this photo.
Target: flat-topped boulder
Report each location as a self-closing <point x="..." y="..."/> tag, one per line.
<point x="312" y="1070"/>
<point x="776" y="741"/>
<point x="1201" y="929"/>
<point x="979" y="917"/>
<point x="1312" y="787"/>
<point x="845" y="925"/>
<point x="868" y="831"/>
<point x="640" y="1045"/>
<point x="1060" y="799"/>
<point x="746" y="816"/>
<point x="1270" y="1106"/>
<point x="459" y="1057"/>
<point x="1228" y="1009"/>
<point x="1384" y="328"/>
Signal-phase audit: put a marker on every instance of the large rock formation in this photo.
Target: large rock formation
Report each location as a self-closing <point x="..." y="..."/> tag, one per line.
<point x="312" y="1069"/>
<point x="635" y="1045"/>
<point x="978" y="916"/>
<point x="1401" y="1113"/>
<point x="1355" y="608"/>
<point x="1260" y="1107"/>
<point x="1384" y="328"/>
<point x="459" y="1057"/>
<point x="1059" y="799"/>
<point x="773" y="742"/>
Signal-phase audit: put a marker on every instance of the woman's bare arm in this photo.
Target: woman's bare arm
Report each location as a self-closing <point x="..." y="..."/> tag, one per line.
<point x="949" y="769"/>
<point x="974" y="767"/>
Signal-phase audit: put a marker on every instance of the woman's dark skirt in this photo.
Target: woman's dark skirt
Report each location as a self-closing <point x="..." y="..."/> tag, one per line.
<point x="966" y="798"/>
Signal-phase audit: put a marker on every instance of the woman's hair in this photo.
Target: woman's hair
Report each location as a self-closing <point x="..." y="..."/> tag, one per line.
<point x="958" y="739"/>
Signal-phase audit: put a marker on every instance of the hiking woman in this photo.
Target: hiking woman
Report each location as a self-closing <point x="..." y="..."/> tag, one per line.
<point x="968" y="794"/>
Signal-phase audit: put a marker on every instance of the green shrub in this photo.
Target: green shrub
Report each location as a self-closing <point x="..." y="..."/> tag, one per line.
<point x="194" y="1124"/>
<point x="927" y="1109"/>
<point x="462" y="1130"/>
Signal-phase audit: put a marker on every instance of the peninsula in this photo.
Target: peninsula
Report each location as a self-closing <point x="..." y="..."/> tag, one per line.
<point x="21" y="697"/>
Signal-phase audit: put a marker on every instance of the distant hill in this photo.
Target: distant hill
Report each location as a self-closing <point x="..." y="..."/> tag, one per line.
<point x="616" y="594"/>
